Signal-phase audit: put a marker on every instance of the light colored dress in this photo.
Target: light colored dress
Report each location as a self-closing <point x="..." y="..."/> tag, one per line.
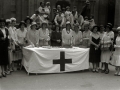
<point x="86" y="37"/>
<point x="13" y="40"/>
<point x="116" y="55"/>
<point x="44" y="35"/>
<point x="105" y="55"/>
<point x="21" y="35"/>
<point x="32" y="37"/>
<point x="66" y="37"/>
<point x="77" y="38"/>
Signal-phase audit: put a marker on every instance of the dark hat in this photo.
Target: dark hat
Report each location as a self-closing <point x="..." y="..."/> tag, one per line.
<point x="95" y="27"/>
<point x="22" y="23"/>
<point x="2" y="20"/>
<point x="28" y="18"/>
<point x="109" y="25"/>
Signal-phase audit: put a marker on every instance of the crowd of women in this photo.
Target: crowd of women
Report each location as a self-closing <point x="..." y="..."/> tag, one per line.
<point x="67" y="29"/>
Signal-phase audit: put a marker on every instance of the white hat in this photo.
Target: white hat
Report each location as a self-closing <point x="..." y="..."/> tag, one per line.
<point x="13" y="19"/>
<point x="8" y="20"/>
<point x="118" y="29"/>
<point x="33" y="23"/>
<point x="68" y="22"/>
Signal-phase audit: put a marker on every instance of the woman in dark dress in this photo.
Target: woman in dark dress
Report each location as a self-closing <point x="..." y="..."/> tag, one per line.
<point x="95" y="49"/>
<point x="56" y="37"/>
<point x="4" y="42"/>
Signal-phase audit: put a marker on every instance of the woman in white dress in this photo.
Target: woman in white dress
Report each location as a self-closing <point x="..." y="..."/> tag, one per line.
<point x="77" y="35"/>
<point x="102" y="33"/>
<point x="21" y="35"/>
<point x="86" y="36"/>
<point x="32" y="35"/>
<point x="13" y="42"/>
<point x="116" y="54"/>
<point x="44" y="37"/>
<point x="107" y="41"/>
<point x="67" y="35"/>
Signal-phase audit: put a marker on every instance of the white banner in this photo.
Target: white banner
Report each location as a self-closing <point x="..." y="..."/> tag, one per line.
<point x="55" y="60"/>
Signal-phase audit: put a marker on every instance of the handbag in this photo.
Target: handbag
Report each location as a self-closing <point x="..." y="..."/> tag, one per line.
<point x="105" y="47"/>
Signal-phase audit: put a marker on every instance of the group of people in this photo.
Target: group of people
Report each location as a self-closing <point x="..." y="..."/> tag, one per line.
<point x="67" y="29"/>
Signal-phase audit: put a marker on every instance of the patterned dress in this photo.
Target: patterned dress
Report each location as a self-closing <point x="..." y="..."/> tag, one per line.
<point x="105" y="56"/>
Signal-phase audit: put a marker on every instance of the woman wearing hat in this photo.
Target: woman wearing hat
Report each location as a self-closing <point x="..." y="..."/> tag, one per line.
<point x="107" y="42"/>
<point x="28" y="22"/>
<point x="44" y="37"/>
<point x="4" y="43"/>
<point x="13" y="42"/>
<point x="21" y="35"/>
<point x="56" y="37"/>
<point x="77" y="35"/>
<point x="116" y="54"/>
<point x="94" y="57"/>
<point x="67" y="35"/>
<point x="32" y="35"/>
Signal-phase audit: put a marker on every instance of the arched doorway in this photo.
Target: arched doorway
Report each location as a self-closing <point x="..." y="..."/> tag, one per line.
<point x="63" y="4"/>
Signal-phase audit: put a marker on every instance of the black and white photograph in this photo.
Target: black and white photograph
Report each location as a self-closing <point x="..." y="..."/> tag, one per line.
<point x="59" y="44"/>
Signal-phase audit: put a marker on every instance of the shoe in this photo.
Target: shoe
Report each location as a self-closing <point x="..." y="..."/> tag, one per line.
<point x="93" y="70"/>
<point x="102" y="71"/>
<point x="107" y="71"/>
<point x="7" y="73"/>
<point x="116" y="74"/>
<point x="3" y="74"/>
<point x="97" y="70"/>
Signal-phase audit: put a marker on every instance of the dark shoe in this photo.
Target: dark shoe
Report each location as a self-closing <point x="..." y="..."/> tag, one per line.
<point x="103" y="71"/>
<point x="107" y="71"/>
<point x="0" y="76"/>
<point x="93" y="70"/>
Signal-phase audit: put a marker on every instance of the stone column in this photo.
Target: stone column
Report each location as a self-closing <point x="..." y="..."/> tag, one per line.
<point x="117" y="14"/>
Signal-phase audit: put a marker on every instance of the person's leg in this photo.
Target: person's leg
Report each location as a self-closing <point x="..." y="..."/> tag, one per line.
<point x="106" y="68"/>
<point x="116" y="72"/>
<point x="93" y="67"/>
<point x="0" y="71"/>
<point x="3" y="71"/>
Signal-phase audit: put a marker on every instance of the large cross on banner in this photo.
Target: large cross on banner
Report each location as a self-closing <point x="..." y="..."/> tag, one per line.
<point x="62" y="61"/>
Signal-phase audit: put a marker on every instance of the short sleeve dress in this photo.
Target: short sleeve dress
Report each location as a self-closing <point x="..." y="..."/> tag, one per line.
<point x="105" y="55"/>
